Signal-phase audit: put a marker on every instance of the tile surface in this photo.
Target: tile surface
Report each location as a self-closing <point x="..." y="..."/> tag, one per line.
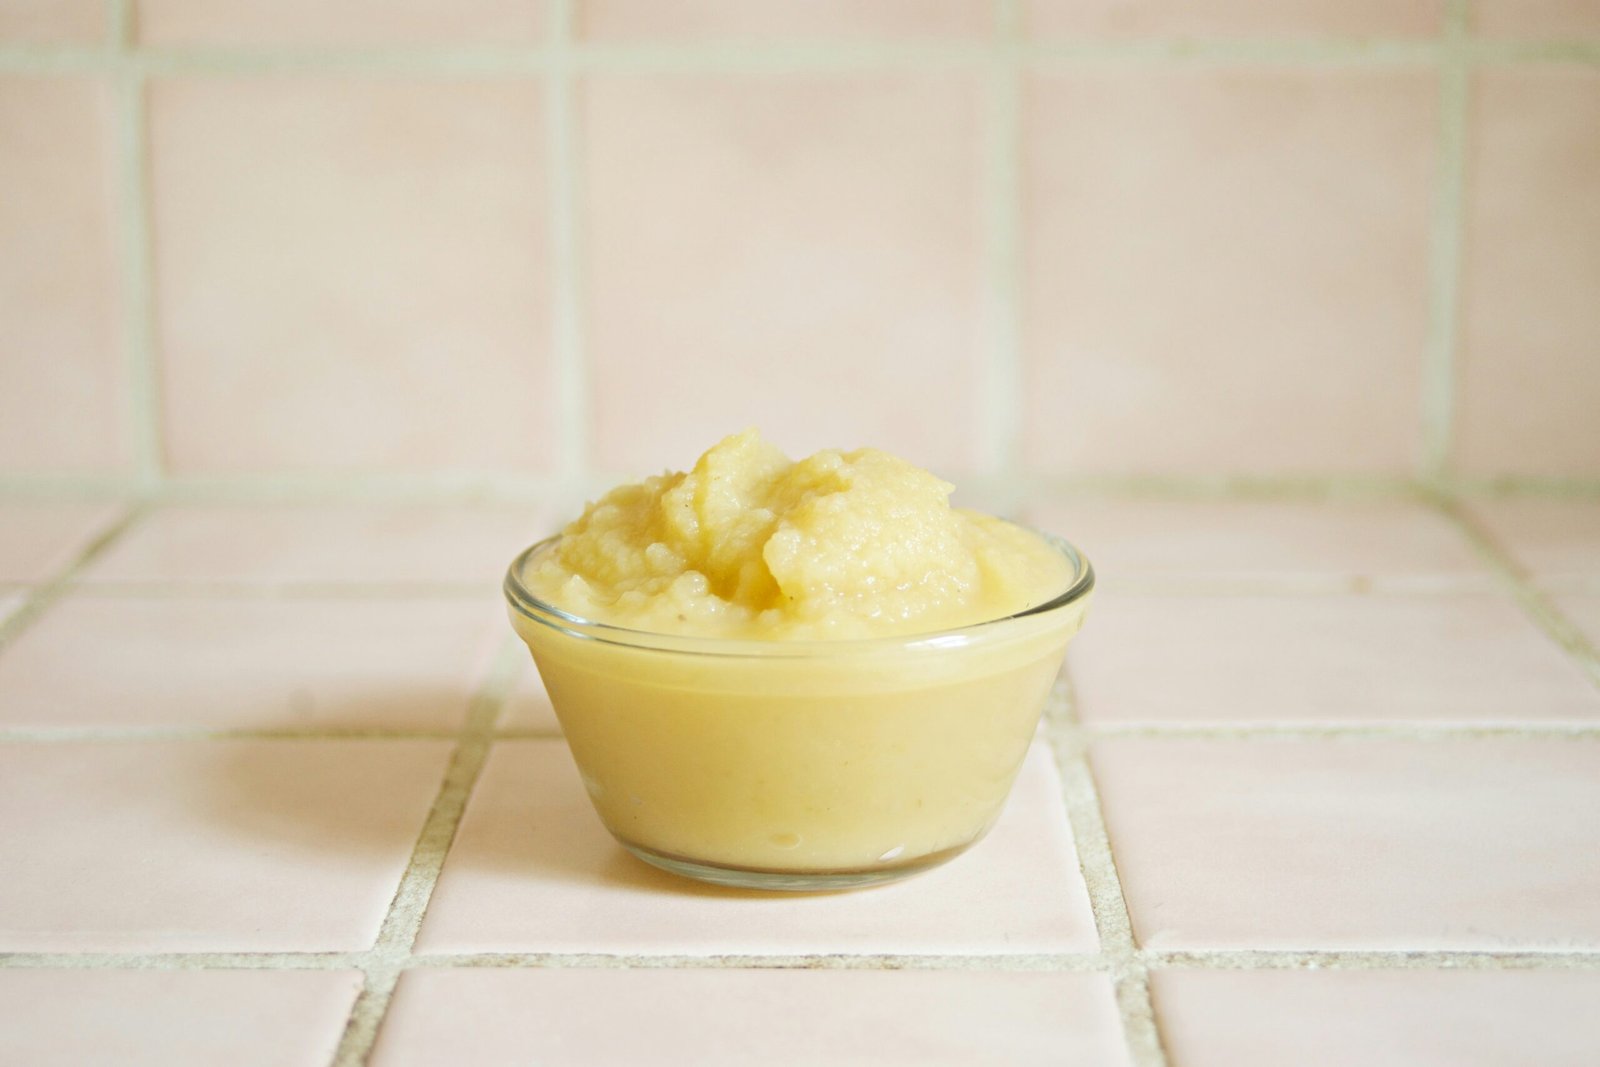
<point x="1528" y="380"/>
<point x="1557" y="541"/>
<point x="1232" y="18"/>
<point x="1536" y="19"/>
<point x="1256" y="542"/>
<point x="173" y="1018"/>
<point x="38" y="540"/>
<point x="333" y="544"/>
<point x="1584" y="610"/>
<point x="528" y="706"/>
<point x="363" y="260"/>
<point x="533" y="870"/>
<point x="644" y="20"/>
<point x="349" y="22"/>
<point x="725" y="1016"/>
<point x="62" y="382"/>
<point x="1265" y="315"/>
<point x="1469" y="845"/>
<point x="1378" y="1018"/>
<point x="798" y="238"/>
<point x="52" y="21"/>
<point x="209" y="845"/>
<point x="1335" y="658"/>
<point x="249" y="664"/>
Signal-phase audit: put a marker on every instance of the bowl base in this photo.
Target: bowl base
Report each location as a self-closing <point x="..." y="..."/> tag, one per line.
<point x="825" y="881"/>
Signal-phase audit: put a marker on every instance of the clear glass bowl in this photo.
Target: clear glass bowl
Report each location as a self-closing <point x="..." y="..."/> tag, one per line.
<point x="801" y="765"/>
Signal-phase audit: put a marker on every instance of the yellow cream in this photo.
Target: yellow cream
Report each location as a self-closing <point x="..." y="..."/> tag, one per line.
<point x="770" y="715"/>
<point x="839" y="545"/>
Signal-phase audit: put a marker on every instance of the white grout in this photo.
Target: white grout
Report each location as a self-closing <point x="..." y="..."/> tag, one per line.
<point x="135" y="252"/>
<point x="498" y="488"/>
<point x="1130" y="974"/>
<point x="184" y="961"/>
<point x="1445" y="249"/>
<point x="777" y="57"/>
<point x="202" y="589"/>
<point x="1320" y="959"/>
<point x="1353" y="732"/>
<point x="1002" y="384"/>
<point x="830" y="961"/>
<point x="1534" y="602"/>
<point x="1243" y="732"/>
<point x="135" y="734"/>
<point x="1206" y="959"/>
<point x="403" y="921"/>
<point x="41" y="596"/>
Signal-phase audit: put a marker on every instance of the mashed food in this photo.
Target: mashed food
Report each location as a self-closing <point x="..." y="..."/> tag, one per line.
<point x="751" y="545"/>
<point x="736" y="730"/>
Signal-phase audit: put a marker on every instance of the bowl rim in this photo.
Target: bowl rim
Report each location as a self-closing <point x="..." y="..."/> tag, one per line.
<point x="522" y="602"/>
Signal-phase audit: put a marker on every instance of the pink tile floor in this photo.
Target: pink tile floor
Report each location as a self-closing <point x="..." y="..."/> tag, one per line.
<point x="1321" y="785"/>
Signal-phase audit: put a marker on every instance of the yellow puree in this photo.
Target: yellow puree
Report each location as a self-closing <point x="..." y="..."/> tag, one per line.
<point x="856" y="758"/>
<point x="751" y="545"/>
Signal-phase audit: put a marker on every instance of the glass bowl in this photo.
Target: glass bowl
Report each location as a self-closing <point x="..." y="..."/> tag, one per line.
<point x="798" y="765"/>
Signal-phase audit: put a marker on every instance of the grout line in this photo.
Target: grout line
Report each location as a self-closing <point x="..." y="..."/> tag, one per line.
<point x="403" y="920"/>
<point x="797" y="961"/>
<point x="224" y="61"/>
<point x="1338" y="959"/>
<point x="1200" y="959"/>
<point x="206" y="589"/>
<point x="1262" y="731"/>
<point x="566" y="262"/>
<point x="120" y="23"/>
<point x="448" y="486"/>
<point x="1399" y="731"/>
<point x="43" y="595"/>
<point x="136" y="252"/>
<point x="1178" y="51"/>
<point x="184" y="961"/>
<point x="135" y="734"/>
<point x="1130" y="976"/>
<point x="1535" y="604"/>
<point x="530" y="733"/>
<point x="1245" y="732"/>
<point x="1529" y="52"/>
<point x="776" y="57"/>
<point x="1002" y="383"/>
<point x="1223" y="486"/>
<point x="489" y="488"/>
<point x="1440" y="357"/>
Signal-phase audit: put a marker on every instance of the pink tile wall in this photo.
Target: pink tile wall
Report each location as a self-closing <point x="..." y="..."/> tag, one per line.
<point x="1266" y="311"/>
<point x="349" y="22"/>
<point x="62" y="378"/>
<point x="1530" y="383"/>
<point x="351" y="274"/>
<point x="1537" y="19"/>
<point x="1158" y="238"/>
<point x="791" y="251"/>
<point x="53" y="21"/>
